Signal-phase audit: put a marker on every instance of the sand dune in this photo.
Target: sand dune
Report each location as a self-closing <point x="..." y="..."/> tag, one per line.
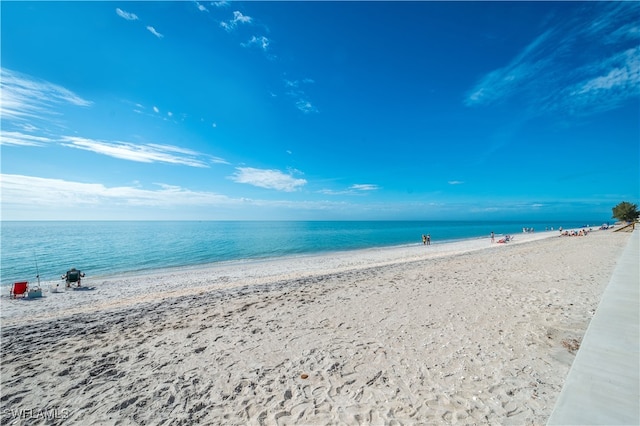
<point x="455" y="335"/>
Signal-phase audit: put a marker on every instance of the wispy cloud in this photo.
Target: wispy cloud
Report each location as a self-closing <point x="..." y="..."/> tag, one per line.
<point x="300" y="98"/>
<point x="365" y="187"/>
<point x="305" y="106"/>
<point x="238" y="18"/>
<point x="30" y="191"/>
<point x="23" y="139"/>
<point x="126" y="15"/>
<point x="455" y="182"/>
<point x="333" y="192"/>
<point x="133" y="17"/>
<point x="359" y="188"/>
<point x="266" y="178"/>
<point x="25" y="98"/>
<point x="143" y="153"/>
<point x="262" y="42"/>
<point x="293" y="87"/>
<point x="572" y="68"/>
<point x="36" y="198"/>
<point x="612" y="84"/>
<point x="154" y="32"/>
<point x="501" y="83"/>
<point x="200" y="7"/>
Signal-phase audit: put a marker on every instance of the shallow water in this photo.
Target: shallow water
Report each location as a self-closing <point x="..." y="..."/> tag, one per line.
<point x="111" y="247"/>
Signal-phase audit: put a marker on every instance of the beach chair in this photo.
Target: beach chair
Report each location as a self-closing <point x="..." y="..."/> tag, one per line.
<point x="73" y="276"/>
<point x="19" y="289"/>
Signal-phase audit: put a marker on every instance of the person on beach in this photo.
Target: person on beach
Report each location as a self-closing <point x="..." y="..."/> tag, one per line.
<point x="73" y="276"/>
<point x="428" y="239"/>
<point x="424" y="239"/>
<point x="493" y="237"/>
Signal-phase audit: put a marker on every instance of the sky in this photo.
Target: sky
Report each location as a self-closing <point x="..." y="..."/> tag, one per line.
<point x="320" y="110"/>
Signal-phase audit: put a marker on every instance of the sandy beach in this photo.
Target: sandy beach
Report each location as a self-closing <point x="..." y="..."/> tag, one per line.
<point x="460" y="333"/>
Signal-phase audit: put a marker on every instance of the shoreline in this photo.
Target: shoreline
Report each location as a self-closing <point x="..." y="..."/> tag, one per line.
<point x="218" y="243"/>
<point x="133" y="287"/>
<point x="4" y="287"/>
<point x="463" y="335"/>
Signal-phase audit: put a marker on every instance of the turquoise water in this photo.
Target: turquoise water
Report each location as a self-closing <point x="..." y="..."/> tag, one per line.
<point x="108" y="248"/>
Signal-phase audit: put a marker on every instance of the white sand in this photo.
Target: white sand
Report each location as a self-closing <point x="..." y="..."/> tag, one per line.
<point x="467" y="332"/>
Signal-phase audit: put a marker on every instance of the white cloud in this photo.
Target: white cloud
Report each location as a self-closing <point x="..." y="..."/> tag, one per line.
<point x="612" y="83"/>
<point x="333" y="192"/>
<point x="22" y="139"/>
<point x="238" y="18"/>
<point x="154" y="32"/>
<point x="305" y="106"/>
<point x="201" y="8"/>
<point x="504" y="82"/>
<point x="300" y="98"/>
<point x="27" y="127"/>
<point x="37" y="198"/>
<point x="616" y="77"/>
<point x="270" y="179"/>
<point x="155" y="109"/>
<point x="290" y="83"/>
<point x="146" y="153"/>
<point x="262" y="42"/>
<point x="455" y="182"/>
<point x="32" y="191"/>
<point x="220" y="3"/>
<point x="126" y="15"/>
<point x="364" y="187"/>
<point x="25" y="98"/>
<point x="572" y="68"/>
<point x="355" y="189"/>
<point x="296" y="83"/>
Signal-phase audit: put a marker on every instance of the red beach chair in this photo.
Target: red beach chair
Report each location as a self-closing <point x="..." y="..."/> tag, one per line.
<point x="19" y="289"/>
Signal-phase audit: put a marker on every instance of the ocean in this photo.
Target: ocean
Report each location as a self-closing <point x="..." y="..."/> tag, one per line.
<point x="108" y="248"/>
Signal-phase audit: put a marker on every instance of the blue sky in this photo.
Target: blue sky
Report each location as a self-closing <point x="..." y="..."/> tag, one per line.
<point x="319" y="110"/>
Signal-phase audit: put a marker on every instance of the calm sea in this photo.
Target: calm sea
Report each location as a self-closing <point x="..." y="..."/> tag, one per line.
<point x="112" y="247"/>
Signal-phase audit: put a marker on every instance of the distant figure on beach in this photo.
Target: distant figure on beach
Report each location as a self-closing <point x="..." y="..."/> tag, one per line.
<point x="493" y="237"/>
<point x="73" y="276"/>
<point x="428" y="239"/>
<point x="424" y="239"/>
<point x="505" y="239"/>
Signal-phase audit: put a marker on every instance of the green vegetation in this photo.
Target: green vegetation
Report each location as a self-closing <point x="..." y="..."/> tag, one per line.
<point x="626" y="212"/>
